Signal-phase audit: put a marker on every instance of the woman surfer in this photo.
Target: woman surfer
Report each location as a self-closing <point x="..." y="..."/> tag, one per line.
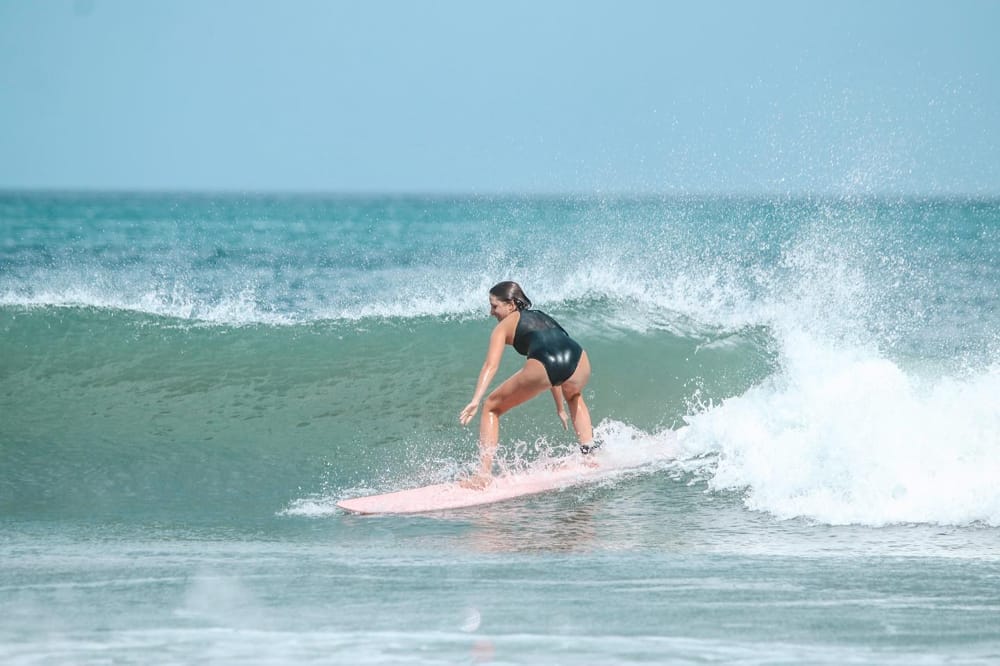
<point x="554" y="361"/>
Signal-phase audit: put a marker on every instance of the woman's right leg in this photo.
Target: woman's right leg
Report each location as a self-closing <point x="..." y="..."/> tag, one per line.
<point x="581" y="420"/>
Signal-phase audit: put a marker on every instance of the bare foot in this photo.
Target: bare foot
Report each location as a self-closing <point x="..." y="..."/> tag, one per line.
<point x="477" y="482"/>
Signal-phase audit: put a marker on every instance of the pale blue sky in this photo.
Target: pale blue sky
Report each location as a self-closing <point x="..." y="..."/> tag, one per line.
<point x="476" y="97"/>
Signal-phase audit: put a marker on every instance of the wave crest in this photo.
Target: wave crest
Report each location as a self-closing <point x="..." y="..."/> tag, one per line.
<point x="842" y="436"/>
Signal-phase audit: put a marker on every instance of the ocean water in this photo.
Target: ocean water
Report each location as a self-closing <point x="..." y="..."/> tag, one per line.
<point x="189" y="383"/>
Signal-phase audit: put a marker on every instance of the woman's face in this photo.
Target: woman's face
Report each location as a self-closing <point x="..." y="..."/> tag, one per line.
<point x="501" y="309"/>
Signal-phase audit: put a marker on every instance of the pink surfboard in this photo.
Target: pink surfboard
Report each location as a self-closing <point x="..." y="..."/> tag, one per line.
<point x="453" y="496"/>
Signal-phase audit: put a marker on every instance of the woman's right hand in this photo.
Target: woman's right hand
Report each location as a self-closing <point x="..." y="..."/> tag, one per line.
<point x="470" y="410"/>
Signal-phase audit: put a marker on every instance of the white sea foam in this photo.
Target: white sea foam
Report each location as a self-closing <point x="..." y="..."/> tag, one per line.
<point x="843" y="435"/>
<point x="238" y="308"/>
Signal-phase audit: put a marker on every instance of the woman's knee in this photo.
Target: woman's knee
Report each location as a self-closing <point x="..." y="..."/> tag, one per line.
<point x="572" y="392"/>
<point x="494" y="404"/>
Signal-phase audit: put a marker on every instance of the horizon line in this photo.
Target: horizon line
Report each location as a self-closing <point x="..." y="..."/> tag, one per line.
<point x="500" y="194"/>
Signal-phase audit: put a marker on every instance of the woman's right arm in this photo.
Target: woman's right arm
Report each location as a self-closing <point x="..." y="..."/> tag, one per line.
<point x="489" y="370"/>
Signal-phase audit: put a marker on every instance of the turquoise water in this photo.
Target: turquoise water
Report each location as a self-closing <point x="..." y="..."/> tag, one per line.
<point x="191" y="382"/>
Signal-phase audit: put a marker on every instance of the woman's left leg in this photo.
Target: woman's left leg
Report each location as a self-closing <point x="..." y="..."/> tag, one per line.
<point x="522" y="386"/>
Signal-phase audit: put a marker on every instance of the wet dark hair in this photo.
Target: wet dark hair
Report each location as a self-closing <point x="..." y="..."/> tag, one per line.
<point x="512" y="293"/>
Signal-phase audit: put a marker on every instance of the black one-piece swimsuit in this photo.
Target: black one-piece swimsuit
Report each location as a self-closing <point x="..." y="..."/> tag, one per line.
<point x="540" y="337"/>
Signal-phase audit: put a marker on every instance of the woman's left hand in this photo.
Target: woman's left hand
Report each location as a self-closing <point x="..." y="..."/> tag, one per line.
<point x="470" y="410"/>
<point x="564" y="419"/>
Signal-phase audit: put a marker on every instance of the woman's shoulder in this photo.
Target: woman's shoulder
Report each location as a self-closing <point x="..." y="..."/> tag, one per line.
<point x="508" y="325"/>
